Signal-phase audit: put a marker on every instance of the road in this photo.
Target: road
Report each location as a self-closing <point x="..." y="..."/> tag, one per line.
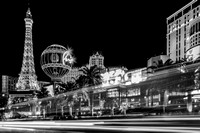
<point x="178" y="124"/>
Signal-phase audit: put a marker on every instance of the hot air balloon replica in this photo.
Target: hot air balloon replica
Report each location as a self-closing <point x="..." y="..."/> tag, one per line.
<point x="56" y="61"/>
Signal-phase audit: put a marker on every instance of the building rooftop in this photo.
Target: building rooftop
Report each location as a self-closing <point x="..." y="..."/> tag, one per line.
<point x="193" y="1"/>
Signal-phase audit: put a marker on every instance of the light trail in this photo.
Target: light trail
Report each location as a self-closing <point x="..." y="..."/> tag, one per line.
<point x="17" y="128"/>
<point x="103" y="128"/>
<point x="149" y="119"/>
<point x="65" y="123"/>
<point x="153" y="124"/>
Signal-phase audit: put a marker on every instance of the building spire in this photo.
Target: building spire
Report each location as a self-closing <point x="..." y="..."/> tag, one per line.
<point x="28" y="13"/>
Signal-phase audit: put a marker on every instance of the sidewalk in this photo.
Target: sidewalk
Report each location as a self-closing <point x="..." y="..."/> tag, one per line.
<point x="113" y="116"/>
<point x="128" y="116"/>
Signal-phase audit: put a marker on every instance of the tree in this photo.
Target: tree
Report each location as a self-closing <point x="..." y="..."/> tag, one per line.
<point x="183" y="60"/>
<point x="70" y="86"/>
<point x="18" y="100"/>
<point x="159" y="63"/>
<point x="80" y="82"/>
<point x="69" y="101"/>
<point x="168" y="62"/>
<point x="72" y="99"/>
<point x="42" y="93"/>
<point x="64" y="87"/>
<point x="91" y="76"/>
<point x="81" y="95"/>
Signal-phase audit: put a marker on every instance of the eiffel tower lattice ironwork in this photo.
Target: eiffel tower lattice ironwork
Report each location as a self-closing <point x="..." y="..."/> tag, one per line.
<point x="27" y="78"/>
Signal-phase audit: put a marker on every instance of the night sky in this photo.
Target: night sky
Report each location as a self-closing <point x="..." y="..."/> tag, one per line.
<point x="126" y="33"/>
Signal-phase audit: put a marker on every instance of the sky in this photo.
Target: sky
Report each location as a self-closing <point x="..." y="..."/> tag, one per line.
<point x="126" y="33"/>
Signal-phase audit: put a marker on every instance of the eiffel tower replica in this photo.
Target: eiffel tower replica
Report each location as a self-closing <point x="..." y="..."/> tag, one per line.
<point x="27" y="78"/>
<point x="27" y="81"/>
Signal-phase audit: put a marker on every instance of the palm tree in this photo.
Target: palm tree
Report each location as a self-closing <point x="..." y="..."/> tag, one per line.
<point x="42" y="93"/>
<point x="59" y="102"/>
<point x="159" y="63"/>
<point x="59" y="88"/>
<point x="65" y="87"/>
<point x="168" y="62"/>
<point x="91" y="76"/>
<point x="81" y="95"/>
<point x="183" y="59"/>
<point x="80" y="82"/>
<point x="69" y="101"/>
<point x="77" y="96"/>
<point x="70" y="86"/>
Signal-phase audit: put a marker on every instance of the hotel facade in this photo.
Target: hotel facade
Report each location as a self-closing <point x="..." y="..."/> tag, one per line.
<point x="183" y="33"/>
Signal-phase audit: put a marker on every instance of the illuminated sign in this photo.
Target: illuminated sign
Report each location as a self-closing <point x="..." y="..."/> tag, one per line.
<point x="134" y="76"/>
<point x="133" y="92"/>
<point x="99" y="90"/>
<point x="113" y="93"/>
<point x="194" y="92"/>
<point x="113" y="77"/>
<point x="67" y="57"/>
<point x="177" y="94"/>
<point x="85" y="108"/>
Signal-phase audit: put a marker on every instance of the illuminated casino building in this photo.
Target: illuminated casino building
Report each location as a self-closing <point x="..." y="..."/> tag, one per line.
<point x="183" y="34"/>
<point x="165" y="91"/>
<point x="96" y="59"/>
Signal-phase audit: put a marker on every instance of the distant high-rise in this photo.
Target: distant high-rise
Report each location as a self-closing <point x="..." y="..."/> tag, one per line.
<point x="8" y="83"/>
<point x="183" y="32"/>
<point x="27" y="78"/>
<point x="96" y="59"/>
